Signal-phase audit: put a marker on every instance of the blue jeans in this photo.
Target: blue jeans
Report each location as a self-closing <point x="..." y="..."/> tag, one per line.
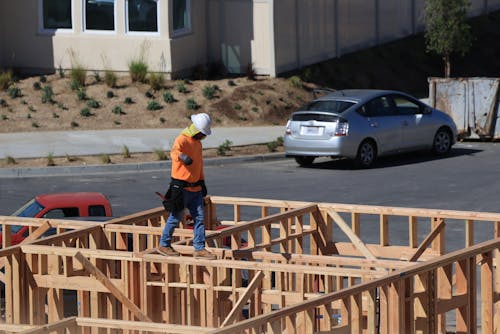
<point x="193" y="201"/>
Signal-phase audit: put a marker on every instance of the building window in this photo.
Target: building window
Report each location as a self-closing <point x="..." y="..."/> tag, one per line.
<point x="100" y="14"/>
<point x="142" y="15"/>
<point x="181" y="16"/>
<point x="56" y="14"/>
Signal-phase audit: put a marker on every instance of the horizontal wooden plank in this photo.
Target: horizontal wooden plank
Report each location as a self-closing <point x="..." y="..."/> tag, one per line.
<point x="84" y="283"/>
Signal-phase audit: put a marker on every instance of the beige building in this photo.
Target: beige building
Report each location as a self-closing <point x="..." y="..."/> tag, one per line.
<point x="177" y="36"/>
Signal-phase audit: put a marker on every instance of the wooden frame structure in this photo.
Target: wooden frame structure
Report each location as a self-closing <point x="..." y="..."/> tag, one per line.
<point x="291" y="267"/>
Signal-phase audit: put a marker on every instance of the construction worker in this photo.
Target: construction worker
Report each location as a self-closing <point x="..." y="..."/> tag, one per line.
<point x="188" y="182"/>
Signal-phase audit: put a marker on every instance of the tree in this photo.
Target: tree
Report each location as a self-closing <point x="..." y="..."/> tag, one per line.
<point x="447" y="31"/>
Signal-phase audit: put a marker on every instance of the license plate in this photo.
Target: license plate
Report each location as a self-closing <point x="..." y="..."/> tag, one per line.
<point x="312" y="130"/>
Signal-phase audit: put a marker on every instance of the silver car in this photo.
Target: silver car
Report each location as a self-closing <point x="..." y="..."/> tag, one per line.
<point x="365" y="124"/>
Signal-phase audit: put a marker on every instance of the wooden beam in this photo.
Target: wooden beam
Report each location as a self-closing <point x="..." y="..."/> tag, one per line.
<point x="114" y="290"/>
<point x="428" y="240"/>
<point x="254" y="284"/>
<point x="58" y="325"/>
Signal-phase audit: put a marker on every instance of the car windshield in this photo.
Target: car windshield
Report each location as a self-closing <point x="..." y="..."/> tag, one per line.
<point x="333" y="106"/>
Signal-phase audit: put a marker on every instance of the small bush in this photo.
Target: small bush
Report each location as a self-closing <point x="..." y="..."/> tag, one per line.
<point x="47" y="94"/>
<point x="191" y="104"/>
<point x="255" y="109"/>
<point x="75" y="86"/>
<point x="153" y="105"/>
<point x="138" y="70"/>
<point x="272" y="146"/>
<point x="14" y="91"/>
<point x="35" y="125"/>
<point x="126" y="152"/>
<point x="54" y="115"/>
<point x="105" y="159"/>
<point x="231" y="83"/>
<point x="78" y="74"/>
<point x="61" y="106"/>
<point x="117" y="110"/>
<point x="224" y="147"/>
<point x="209" y="91"/>
<point x="162" y="120"/>
<point x="156" y="80"/>
<point x="181" y="88"/>
<point x="10" y="160"/>
<point x="28" y="116"/>
<point x="117" y="122"/>
<point x="74" y="124"/>
<point x="97" y="76"/>
<point x="168" y="97"/>
<point x="160" y="154"/>
<point x="110" y="94"/>
<point x="128" y="100"/>
<point x="280" y="141"/>
<point x="5" y="80"/>
<point x="295" y="81"/>
<point x="149" y="95"/>
<point x="80" y="93"/>
<point x="43" y="79"/>
<point x="37" y="86"/>
<point x="3" y="103"/>
<point x="50" y="159"/>
<point x="110" y="78"/>
<point x="70" y="158"/>
<point x="5" y="118"/>
<point x="85" y="112"/>
<point x="237" y="106"/>
<point x="92" y="103"/>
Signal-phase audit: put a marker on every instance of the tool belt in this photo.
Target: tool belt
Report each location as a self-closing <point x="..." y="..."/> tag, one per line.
<point x="185" y="184"/>
<point x="174" y="200"/>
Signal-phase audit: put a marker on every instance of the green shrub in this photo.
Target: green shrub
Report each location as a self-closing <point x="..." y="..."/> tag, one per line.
<point x="5" y="80"/>
<point x="181" y="88"/>
<point x="272" y="146"/>
<point x="231" y="83"/>
<point x="74" y="85"/>
<point x="97" y="76"/>
<point x="168" y="97"/>
<point x="237" y="106"/>
<point x="80" y="93"/>
<point x="92" y="103"/>
<point x="3" y="103"/>
<point x="117" y="122"/>
<point x="10" y="160"/>
<point x="128" y="100"/>
<point x="105" y="158"/>
<point x="156" y="80"/>
<point x="43" y="79"/>
<point x="255" y="109"/>
<point x="14" y="91"/>
<point x="54" y="115"/>
<point x="28" y="116"/>
<point x="61" y="106"/>
<point x="35" y="125"/>
<point x="160" y="154"/>
<point x="78" y="74"/>
<point x="209" y="91"/>
<point x="280" y="140"/>
<point x="224" y="147"/>
<point x="74" y="124"/>
<point x="295" y="81"/>
<point x="110" y="78"/>
<point x="50" y="159"/>
<point x="162" y="120"/>
<point x="5" y="118"/>
<point x="153" y="105"/>
<point x="85" y="112"/>
<point x="37" y="86"/>
<point x="110" y="94"/>
<point x="138" y="70"/>
<point x="191" y="104"/>
<point x="47" y="94"/>
<point x="126" y="152"/>
<point x="149" y="95"/>
<point x="117" y="110"/>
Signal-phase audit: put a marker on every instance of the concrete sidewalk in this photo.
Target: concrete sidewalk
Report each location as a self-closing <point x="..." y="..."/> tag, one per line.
<point x="61" y="143"/>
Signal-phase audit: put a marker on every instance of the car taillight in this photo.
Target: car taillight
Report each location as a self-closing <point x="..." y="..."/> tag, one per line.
<point x="342" y="128"/>
<point x="288" y="131"/>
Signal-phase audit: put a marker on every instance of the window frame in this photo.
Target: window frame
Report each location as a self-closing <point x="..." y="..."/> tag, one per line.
<point x="99" y="31"/>
<point x="135" y="32"/>
<point x="41" y="21"/>
<point x="187" y="28"/>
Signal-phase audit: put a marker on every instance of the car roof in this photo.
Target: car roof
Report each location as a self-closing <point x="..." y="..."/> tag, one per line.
<point x="70" y="199"/>
<point x="357" y="95"/>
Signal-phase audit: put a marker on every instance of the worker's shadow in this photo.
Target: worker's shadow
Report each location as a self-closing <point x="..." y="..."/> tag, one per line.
<point x="393" y="160"/>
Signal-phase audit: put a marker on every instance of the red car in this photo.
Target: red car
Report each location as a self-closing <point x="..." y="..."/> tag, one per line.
<point x="59" y="206"/>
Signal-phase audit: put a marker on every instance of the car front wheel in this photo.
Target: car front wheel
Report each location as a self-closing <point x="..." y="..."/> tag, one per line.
<point x="304" y="160"/>
<point x="442" y="142"/>
<point x="367" y="153"/>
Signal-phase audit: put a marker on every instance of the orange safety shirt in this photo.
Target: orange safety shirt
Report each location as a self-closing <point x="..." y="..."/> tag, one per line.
<point x="194" y="172"/>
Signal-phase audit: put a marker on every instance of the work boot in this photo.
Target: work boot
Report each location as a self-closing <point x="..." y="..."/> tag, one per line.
<point x="168" y="251"/>
<point x="204" y="254"/>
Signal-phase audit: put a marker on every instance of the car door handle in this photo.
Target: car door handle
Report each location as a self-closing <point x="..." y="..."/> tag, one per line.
<point x="374" y="125"/>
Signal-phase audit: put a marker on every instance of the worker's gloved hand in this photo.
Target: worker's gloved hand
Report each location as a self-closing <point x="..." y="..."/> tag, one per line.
<point x="186" y="159"/>
<point x="204" y="191"/>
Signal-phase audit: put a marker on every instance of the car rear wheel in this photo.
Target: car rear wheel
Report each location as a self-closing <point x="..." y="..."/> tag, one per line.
<point x="304" y="160"/>
<point x="367" y="153"/>
<point x="442" y="142"/>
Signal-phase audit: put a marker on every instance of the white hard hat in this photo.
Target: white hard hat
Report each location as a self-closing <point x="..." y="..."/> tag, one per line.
<point x="202" y="122"/>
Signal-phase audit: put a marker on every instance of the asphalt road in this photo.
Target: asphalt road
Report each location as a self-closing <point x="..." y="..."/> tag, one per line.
<point x="465" y="180"/>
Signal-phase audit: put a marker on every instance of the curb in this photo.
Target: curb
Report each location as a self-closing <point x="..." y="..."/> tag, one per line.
<point x="132" y="167"/>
